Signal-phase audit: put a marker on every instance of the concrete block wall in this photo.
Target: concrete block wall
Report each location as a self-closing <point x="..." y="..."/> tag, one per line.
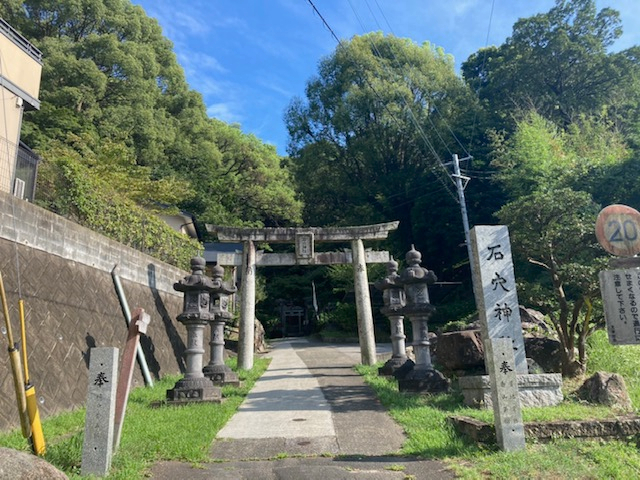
<point x="63" y="272"/>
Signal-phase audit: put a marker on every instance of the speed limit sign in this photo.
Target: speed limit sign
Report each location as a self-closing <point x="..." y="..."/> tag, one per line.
<point x="618" y="230"/>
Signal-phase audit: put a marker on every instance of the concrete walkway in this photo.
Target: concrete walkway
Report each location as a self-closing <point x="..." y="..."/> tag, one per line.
<point x="311" y="404"/>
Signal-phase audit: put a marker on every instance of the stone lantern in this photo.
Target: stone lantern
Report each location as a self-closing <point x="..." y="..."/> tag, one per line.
<point x="393" y="297"/>
<point x="195" y="387"/>
<point x="216" y="370"/>
<point x="423" y="378"/>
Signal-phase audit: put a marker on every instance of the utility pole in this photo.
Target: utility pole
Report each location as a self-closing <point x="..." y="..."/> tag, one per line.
<point x="461" y="183"/>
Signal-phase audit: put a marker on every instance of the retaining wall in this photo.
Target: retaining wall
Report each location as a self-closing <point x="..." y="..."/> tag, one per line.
<point x="63" y="272"/>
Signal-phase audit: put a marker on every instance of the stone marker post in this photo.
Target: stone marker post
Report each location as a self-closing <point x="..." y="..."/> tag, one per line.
<point x="138" y="325"/>
<point x="97" y="449"/>
<point x="504" y="393"/>
<point x="216" y="370"/>
<point x="394" y="300"/>
<point x="495" y="289"/>
<point x="496" y="296"/>
<point x="423" y="378"/>
<point x="195" y="387"/>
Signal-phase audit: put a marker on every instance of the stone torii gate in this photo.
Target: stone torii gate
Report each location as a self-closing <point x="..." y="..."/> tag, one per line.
<point x="304" y="239"/>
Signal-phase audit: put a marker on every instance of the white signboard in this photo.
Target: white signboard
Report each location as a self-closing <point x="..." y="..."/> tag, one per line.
<point x="495" y="289"/>
<point x="621" y="297"/>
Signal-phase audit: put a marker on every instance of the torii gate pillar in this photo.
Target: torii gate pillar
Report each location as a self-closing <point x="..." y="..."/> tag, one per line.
<point x="247" y="307"/>
<point x="363" y="305"/>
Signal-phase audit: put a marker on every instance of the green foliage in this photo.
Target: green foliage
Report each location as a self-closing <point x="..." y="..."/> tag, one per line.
<point x="554" y="231"/>
<point x="113" y="92"/>
<point x="355" y="148"/>
<point x="74" y="191"/>
<point x="541" y="156"/>
<point x="557" y="63"/>
<point x="549" y="172"/>
<point x="344" y="318"/>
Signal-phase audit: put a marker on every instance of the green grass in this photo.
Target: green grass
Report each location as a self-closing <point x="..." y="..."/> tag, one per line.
<point x="149" y="433"/>
<point x="186" y="433"/>
<point x="425" y="420"/>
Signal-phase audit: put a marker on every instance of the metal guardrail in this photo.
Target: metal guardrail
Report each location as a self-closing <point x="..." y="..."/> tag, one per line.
<point x="19" y="40"/>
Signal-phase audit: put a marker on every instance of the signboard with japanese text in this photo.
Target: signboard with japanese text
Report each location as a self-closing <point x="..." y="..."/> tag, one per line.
<point x="621" y="298"/>
<point x="495" y="289"/>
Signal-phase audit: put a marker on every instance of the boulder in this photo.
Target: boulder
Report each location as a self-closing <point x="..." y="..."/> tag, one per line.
<point x="533" y="322"/>
<point x="545" y="352"/>
<point x="259" y="343"/>
<point x="15" y="464"/>
<point x="461" y="350"/>
<point x="607" y="389"/>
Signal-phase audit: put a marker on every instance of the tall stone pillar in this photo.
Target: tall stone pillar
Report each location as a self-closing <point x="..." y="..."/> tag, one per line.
<point x="363" y="305"/>
<point x="247" y="307"/>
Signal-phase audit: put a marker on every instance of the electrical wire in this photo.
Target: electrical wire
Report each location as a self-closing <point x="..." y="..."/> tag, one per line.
<point x="435" y="107"/>
<point x="408" y="109"/>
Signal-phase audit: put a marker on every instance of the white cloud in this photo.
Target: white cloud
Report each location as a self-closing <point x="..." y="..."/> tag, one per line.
<point x="225" y="112"/>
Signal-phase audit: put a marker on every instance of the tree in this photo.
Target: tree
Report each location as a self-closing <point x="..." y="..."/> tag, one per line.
<point x="549" y="174"/>
<point x="111" y="83"/>
<point x="366" y="144"/>
<point x="557" y="64"/>
<point x="554" y="231"/>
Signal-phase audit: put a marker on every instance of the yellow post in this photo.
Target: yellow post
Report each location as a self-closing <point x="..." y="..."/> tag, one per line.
<point x="37" y="437"/>
<point x="14" y="358"/>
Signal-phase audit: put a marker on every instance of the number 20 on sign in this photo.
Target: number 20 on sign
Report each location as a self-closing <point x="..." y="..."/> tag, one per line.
<point x="618" y="230"/>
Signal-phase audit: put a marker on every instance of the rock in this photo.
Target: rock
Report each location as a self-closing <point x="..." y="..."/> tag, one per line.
<point x="259" y="344"/>
<point x="533" y="322"/>
<point x="546" y="352"/>
<point x="607" y="389"/>
<point x="461" y="350"/>
<point x="15" y="464"/>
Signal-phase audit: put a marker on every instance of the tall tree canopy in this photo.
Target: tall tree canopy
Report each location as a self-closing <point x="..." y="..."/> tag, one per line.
<point x="367" y="142"/>
<point x="558" y="64"/>
<point x="110" y="76"/>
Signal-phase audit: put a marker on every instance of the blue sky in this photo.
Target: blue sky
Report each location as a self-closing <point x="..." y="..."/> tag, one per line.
<point x="250" y="58"/>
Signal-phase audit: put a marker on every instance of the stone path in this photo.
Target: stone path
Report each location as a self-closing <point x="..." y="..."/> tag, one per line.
<point x="310" y="404"/>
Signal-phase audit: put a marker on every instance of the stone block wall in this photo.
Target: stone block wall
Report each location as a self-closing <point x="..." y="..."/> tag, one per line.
<point x="63" y="272"/>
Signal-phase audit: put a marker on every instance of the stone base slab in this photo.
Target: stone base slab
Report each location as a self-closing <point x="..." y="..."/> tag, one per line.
<point x="621" y="428"/>
<point x="535" y="390"/>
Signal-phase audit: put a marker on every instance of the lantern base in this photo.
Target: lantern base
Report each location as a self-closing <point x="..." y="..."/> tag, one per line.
<point x="194" y="390"/>
<point x="221" y="375"/>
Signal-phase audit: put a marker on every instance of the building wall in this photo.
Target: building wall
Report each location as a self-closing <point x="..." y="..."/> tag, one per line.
<point x="20" y="71"/>
<point x="63" y="272"/>
<point x="10" y="122"/>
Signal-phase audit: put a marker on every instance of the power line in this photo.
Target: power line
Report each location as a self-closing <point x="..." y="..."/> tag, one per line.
<point x="413" y="118"/>
<point x="435" y="107"/>
<point x="383" y="103"/>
